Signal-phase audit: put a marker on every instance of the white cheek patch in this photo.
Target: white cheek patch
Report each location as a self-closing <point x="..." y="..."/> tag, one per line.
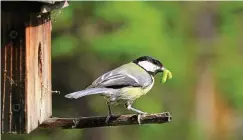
<point x="148" y="66"/>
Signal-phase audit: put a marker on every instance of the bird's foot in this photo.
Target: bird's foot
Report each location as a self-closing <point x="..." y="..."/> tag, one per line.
<point x="108" y="119"/>
<point x="139" y="117"/>
<point x="75" y="122"/>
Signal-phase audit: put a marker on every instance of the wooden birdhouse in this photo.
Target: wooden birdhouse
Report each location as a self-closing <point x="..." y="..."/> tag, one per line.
<point x="26" y="99"/>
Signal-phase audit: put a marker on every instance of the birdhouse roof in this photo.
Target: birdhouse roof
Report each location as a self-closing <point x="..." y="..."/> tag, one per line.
<point x="40" y="6"/>
<point x="50" y="1"/>
<point x="50" y="5"/>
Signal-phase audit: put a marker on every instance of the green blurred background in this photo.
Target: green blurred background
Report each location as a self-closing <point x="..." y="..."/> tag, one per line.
<point x="200" y="42"/>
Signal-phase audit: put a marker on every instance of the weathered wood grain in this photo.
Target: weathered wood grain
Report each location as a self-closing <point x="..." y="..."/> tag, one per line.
<point x="38" y="75"/>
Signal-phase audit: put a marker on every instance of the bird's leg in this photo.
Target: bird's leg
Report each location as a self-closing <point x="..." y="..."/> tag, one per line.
<point x="129" y="107"/>
<point x="109" y="113"/>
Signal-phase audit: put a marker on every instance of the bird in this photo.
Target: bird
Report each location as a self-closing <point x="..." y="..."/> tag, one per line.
<point x="124" y="84"/>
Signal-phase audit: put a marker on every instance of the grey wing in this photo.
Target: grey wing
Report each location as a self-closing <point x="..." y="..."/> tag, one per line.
<point x="115" y="79"/>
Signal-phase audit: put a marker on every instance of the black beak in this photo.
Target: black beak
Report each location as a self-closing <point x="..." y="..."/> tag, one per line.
<point x="161" y="69"/>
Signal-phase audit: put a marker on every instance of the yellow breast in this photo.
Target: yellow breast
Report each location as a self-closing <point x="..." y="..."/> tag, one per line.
<point x="132" y="93"/>
<point x="147" y="89"/>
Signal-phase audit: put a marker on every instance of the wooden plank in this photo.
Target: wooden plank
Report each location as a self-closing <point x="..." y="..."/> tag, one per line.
<point x="4" y="51"/>
<point x="38" y="46"/>
<point x="12" y="107"/>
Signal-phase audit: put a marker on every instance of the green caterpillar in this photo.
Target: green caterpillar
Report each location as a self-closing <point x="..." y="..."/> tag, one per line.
<point x="166" y="75"/>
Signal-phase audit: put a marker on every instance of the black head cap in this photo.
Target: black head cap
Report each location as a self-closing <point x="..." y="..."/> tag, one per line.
<point x="148" y="58"/>
<point x="151" y="70"/>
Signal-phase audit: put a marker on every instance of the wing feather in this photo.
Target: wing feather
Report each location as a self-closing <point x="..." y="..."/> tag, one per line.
<point x="116" y="78"/>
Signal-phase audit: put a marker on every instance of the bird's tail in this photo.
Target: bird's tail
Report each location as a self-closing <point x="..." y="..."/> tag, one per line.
<point x="90" y="91"/>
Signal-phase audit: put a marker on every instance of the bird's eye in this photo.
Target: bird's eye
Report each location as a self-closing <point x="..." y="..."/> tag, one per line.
<point x="158" y="63"/>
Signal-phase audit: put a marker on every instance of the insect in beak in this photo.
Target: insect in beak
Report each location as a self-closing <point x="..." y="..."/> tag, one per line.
<point x="166" y="75"/>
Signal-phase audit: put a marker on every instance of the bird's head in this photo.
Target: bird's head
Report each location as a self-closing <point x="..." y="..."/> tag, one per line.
<point x="151" y="65"/>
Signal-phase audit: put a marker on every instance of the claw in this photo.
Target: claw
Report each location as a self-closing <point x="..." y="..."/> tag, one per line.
<point x="139" y="118"/>
<point x="108" y="119"/>
<point x="75" y="122"/>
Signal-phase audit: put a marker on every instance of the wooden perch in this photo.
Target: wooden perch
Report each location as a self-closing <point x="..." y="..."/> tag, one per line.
<point x="98" y="121"/>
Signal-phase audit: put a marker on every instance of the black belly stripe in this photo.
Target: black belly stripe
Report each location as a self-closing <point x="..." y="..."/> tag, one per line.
<point x="120" y="86"/>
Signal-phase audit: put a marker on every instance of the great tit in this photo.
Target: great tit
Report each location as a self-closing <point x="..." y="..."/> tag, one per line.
<point x="124" y="84"/>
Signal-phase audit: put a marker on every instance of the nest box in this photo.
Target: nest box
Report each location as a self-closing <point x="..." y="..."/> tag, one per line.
<point x="26" y="99"/>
